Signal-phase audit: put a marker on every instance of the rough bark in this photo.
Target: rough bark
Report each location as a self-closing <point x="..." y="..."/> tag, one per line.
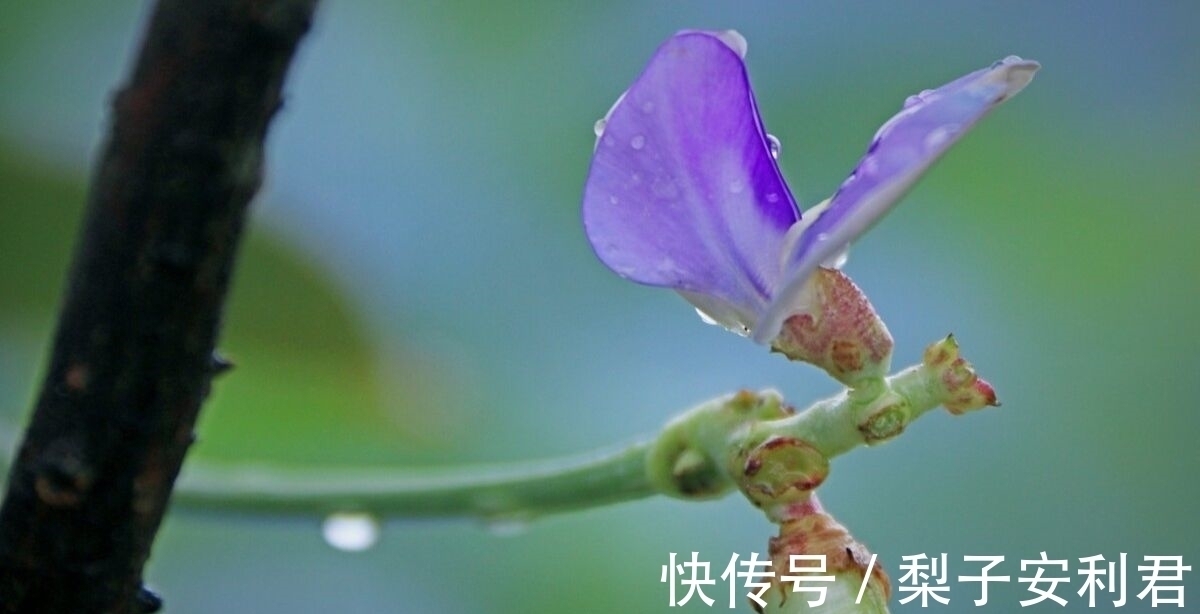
<point x="133" y="357"/>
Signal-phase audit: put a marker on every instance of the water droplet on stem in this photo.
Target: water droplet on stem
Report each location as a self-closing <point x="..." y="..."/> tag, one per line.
<point x="351" y="531"/>
<point x="508" y="525"/>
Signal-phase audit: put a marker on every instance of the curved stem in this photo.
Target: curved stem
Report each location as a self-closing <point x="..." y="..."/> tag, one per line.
<point x="517" y="491"/>
<point x="702" y="454"/>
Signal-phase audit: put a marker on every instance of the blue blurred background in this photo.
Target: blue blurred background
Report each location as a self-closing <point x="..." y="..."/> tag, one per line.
<point x="417" y="289"/>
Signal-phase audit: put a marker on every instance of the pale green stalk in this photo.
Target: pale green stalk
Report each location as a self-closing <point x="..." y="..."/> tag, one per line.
<point x="686" y="460"/>
<point x="486" y="491"/>
<point x="747" y="441"/>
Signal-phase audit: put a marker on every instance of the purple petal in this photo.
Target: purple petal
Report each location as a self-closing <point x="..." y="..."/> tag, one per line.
<point x="901" y="152"/>
<point x="683" y="191"/>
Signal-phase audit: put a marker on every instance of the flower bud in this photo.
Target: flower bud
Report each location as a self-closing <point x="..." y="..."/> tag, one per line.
<point x="779" y="472"/>
<point x="809" y="530"/>
<point x="838" y="331"/>
<point x="885" y="418"/>
<point x="960" y="389"/>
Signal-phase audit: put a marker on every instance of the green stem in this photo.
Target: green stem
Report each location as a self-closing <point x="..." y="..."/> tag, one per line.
<point x="518" y="491"/>
<point x="703" y="453"/>
<point x="841" y="423"/>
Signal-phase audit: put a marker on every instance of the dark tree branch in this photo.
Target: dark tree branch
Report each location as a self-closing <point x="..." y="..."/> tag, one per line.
<point x="133" y="355"/>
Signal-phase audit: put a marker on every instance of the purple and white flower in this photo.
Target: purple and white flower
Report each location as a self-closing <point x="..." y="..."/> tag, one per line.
<point x="684" y="191"/>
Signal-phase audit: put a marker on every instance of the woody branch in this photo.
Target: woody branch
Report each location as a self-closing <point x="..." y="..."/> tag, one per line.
<point x="132" y="358"/>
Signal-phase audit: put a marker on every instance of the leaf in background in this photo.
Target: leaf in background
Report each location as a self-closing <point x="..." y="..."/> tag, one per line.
<point x="307" y="384"/>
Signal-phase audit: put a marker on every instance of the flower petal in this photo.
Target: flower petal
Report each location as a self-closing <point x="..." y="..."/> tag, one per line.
<point x="683" y="191"/>
<point x="901" y="152"/>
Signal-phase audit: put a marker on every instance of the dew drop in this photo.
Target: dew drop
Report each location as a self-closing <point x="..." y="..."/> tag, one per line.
<point x="917" y="98"/>
<point x="735" y="41"/>
<point x="602" y="123"/>
<point x="736" y="186"/>
<point x="668" y="268"/>
<point x="938" y="136"/>
<point x="664" y="188"/>
<point x="637" y="142"/>
<point x="707" y="319"/>
<point x="774" y="146"/>
<point x="850" y="179"/>
<point x="507" y="525"/>
<point x="838" y="259"/>
<point x="350" y="531"/>
<point x="613" y="200"/>
<point x="732" y="326"/>
<point x="648" y="107"/>
<point x="1012" y="59"/>
<point x="772" y="197"/>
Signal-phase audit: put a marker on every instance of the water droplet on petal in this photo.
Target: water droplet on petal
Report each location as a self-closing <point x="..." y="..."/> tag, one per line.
<point x="735" y="41"/>
<point x="707" y="319"/>
<point x="350" y="531"/>
<point x="1012" y="59"/>
<point x="736" y="186"/>
<point x="598" y="127"/>
<point x="648" y="107"/>
<point x="772" y="197"/>
<point x="637" y="142"/>
<point x="851" y="178"/>
<point x="612" y="199"/>
<point x="774" y="146"/>
<point x="667" y="267"/>
<point x="838" y="259"/>
<point x="940" y="135"/>
<point x="664" y="188"/>
<point x="917" y="98"/>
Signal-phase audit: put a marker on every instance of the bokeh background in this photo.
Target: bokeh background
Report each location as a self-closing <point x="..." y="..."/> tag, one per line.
<point x="417" y="289"/>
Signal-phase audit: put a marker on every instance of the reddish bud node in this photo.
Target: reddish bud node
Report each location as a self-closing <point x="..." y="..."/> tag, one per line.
<point x="885" y="423"/>
<point x="809" y="530"/>
<point x="839" y="331"/>
<point x="780" y="470"/>
<point x="960" y="388"/>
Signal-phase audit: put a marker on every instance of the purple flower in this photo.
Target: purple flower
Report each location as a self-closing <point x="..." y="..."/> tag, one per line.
<point x="684" y="191"/>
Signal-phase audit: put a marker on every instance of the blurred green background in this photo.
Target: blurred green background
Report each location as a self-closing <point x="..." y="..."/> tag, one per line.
<point x="417" y="289"/>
